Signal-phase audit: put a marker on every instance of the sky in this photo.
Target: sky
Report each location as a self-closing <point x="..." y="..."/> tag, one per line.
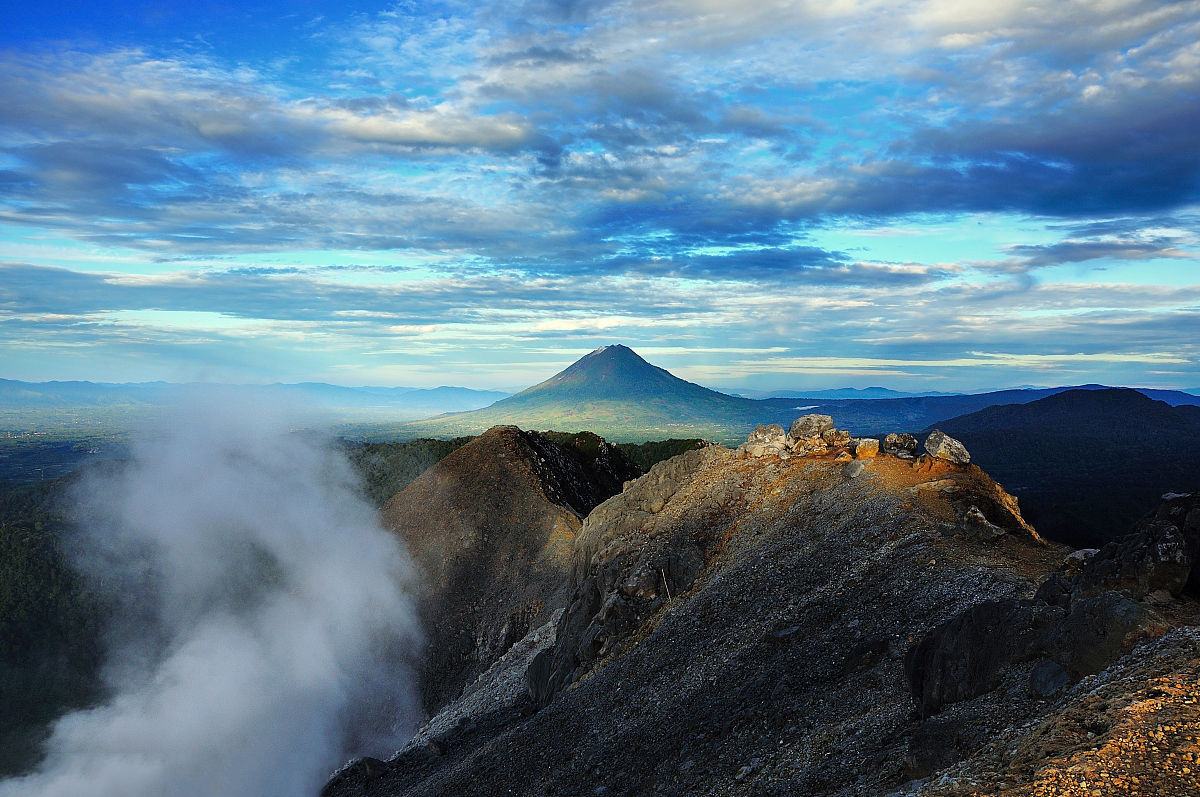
<point x="934" y="195"/>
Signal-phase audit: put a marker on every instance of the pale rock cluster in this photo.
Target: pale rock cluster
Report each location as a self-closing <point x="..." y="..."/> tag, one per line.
<point x="815" y="435"/>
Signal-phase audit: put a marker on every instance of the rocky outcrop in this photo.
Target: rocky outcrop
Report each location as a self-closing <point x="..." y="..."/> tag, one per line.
<point x="491" y="528"/>
<point x="976" y="524"/>
<point x="624" y="571"/>
<point x="965" y="656"/>
<point x="765" y="439"/>
<point x="900" y="445"/>
<point x="1080" y="620"/>
<point x="809" y="435"/>
<point x="1156" y="557"/>
<point x="1180" y="511"/>
<point x="970" y="654"/>
<point x="943" y="446"/>
<point x="1097" y="630"/>
<point x="1159" y="557"/>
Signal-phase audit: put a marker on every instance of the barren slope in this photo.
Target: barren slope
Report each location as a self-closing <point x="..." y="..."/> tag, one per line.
<point x="490" y="528"/>
<point x="806" y="625"/>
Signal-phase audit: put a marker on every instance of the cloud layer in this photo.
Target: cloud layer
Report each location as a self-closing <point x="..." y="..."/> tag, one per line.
<point x="689" y="146"/>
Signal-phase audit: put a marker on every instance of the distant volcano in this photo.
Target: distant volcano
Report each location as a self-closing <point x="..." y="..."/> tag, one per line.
<point x="608" y="373"/>
<point x="614" y="392"/>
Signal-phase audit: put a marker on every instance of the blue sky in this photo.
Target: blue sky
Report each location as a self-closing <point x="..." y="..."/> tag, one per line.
<point x="943" y="195"/>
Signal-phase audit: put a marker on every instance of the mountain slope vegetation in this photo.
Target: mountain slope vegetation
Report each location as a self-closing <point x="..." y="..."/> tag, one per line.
<point x="1085" y="463"/>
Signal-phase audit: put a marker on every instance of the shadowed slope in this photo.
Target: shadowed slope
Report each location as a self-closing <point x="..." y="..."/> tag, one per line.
<point x="1085" y="463"/>
<point x="490" y="527"/>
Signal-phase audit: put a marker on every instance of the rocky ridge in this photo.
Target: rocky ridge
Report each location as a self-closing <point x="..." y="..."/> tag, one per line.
<point x="491" y="528"/>
<point x="811" y="615"/>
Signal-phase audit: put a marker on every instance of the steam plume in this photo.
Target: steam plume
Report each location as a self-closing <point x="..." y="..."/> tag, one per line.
<point x="261" y="630"/>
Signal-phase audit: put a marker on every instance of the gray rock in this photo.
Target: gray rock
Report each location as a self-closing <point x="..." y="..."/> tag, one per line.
<point x="965" y="656"/>
<point x="1081" y="556"/>
<point x="1074" y="562"/>
<point x="900" y="445"/>
<point x="766" y="434"/>
<point x="835" y="437"/>
<point x="807" y="426"/>
<point x="943" y="446"/>
<point x="1096" y="631"/>
<point x="537" y="677"/>
<point x="1055" y="590"/>
<point x="764" y="440"/>
<point x="977" y="525"/>
<point x="854" y="469"/>
<point x="1048" y="679"/>
<point x="1153" y="558"/>
<point x="1181" y="510"/>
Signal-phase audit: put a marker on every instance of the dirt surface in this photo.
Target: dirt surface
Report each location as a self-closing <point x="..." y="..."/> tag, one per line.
<point x="1132" y="730"/>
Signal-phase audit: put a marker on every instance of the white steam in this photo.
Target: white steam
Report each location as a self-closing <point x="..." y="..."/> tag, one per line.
<point x="262" y="633"/>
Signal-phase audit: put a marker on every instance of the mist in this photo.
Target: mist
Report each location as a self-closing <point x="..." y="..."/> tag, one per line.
<point x="261" y="631"/>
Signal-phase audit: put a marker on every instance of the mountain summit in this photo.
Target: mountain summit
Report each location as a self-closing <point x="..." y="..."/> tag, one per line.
<point x="612" y="372"/>
<point x="613" y="390"/>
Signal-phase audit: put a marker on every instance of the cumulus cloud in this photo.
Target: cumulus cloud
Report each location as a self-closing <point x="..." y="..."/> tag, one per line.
<point x="261" y="631"/>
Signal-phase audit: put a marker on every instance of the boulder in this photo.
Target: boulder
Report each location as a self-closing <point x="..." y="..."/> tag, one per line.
<point x="943" y="446"/>
<point x="1155" y="557"/>
<point x="977" y="525"/>
<point x="809" y="426"/>
<point x="965" y="656"/>
<point x="1097" y="631"/>
<point x="765" y="439"/>
<point x="1181" y="510"/>
<point x="1054" y="590"/>
<point x="853" y="470"/>
<point x="835" y="437"/>
<point x="766" y="434"/>
<point x="900" y="445"/>
<point x="864" y="447"/>
<point x="1048" y="679"/>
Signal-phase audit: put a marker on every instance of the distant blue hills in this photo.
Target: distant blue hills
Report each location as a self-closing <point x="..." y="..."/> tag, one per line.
<point x="1086" y="463"/>
<point x="840" y="393"/>
<point x="611" y="391"/>
<point x="393" y="402"/>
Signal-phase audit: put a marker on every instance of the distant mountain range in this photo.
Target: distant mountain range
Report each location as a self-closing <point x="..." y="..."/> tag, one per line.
<point x="33" y="401"/>
<point x="839" y="393"/>
<point x="615" y="393"/>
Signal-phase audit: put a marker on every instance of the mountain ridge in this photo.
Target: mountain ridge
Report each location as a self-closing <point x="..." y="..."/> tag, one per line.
<point x="812" y="624"/>
<point x="1085" y="463"/>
